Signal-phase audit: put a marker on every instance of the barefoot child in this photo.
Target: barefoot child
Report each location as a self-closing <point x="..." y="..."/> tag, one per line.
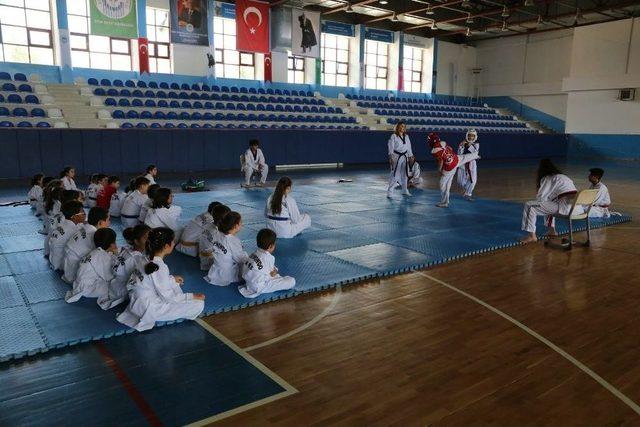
<point x="134" y="201"/>
<point x="205" y="243"/>
<point x="468" y="175"/>
<point x="73" y="213"/>
<point x="228" y="253"/>
<point x="81" y="243"/>
<point x="163" y="212"/>
<point x="35" y="193"/>
<point x="600" y="208"/>
<point x="194" y="229"/>
<point x="254" y="164"/>
<point x="283" y="215"/>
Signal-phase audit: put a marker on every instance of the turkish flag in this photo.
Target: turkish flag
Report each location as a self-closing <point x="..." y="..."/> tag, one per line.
<point x="252" y="26"/>
<point x="267" y="68"/>
<point x="143" y="54"/>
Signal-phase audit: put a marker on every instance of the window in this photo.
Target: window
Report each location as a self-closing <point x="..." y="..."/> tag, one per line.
<point x="89" y="51"/>
<point x="335" y="60"/>
<point x="412" y="69"/>
<point x="376" y="62"/>
<point x="26" y="31"/>
<point x="158" y="34"/>
<point x="229" y="62"/>
<point x="295" y="66"/>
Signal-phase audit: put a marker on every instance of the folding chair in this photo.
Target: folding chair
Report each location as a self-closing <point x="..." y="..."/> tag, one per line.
<point x="585" y="198"/>
<point x="243" y="165"/>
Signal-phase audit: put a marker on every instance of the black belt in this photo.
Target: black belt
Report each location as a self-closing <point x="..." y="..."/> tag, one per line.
<point x="93" y="198"/>
<point x="129" y="216"/>
<point x="277" y="218"/>
<point x="406" y="162"/>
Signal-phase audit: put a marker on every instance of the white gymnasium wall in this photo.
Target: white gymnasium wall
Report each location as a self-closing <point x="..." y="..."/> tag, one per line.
<point x="528" y="68"/>
<point x="605" y="58"/>
<point x="454" y="65"/>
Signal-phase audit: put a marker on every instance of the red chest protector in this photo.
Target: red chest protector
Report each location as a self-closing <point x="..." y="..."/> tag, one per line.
<point x="447" y="155"/>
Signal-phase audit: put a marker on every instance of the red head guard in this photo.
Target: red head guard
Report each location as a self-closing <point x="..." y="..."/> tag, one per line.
<point x="433" y="139"/>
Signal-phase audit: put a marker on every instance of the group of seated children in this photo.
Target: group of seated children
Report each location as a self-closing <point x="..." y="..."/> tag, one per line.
<point x="84" y="248"/>
<point x="555" y="194"/>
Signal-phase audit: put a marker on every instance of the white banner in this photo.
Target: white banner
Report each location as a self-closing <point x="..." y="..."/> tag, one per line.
<point x="305" y="33"/>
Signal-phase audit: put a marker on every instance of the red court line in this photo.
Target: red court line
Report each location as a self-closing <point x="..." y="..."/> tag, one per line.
<point x="128" y="385"/>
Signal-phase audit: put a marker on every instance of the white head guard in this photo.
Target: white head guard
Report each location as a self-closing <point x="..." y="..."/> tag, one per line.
<point x="472" y="135"/>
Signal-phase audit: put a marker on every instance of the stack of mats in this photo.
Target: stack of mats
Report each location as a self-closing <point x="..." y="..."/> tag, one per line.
<point x="356" y="234"/>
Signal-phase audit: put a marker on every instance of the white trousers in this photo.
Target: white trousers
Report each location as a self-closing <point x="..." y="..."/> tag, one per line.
<point x="248" y="173"/>
<point x="467" y="177"/>
<point x="446" y="179"/>
<point x="534" y="208"/>
<point x="288" y="229"/>
<point x="599" y="212"/>
<point x="415" y="181"/>
<point x="274" y="284"/>
<point x="398" y="173"/>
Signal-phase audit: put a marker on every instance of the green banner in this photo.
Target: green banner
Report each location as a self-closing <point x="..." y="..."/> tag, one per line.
<point x="318" y="71"/>
<point x="114" y="18"/>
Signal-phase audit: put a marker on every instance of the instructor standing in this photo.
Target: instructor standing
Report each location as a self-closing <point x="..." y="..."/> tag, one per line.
<point x="399" y="149"/>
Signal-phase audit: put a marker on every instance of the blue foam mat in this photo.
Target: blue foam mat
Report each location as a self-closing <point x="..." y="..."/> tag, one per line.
<point x="357" y="233"/>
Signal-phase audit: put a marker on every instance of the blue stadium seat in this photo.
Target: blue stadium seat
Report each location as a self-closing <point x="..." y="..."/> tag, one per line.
<point x="150" y="103"/>
<point x="184" y="116"/>
<point x="9" y="87"/>
<point x="159" y="115"/>
<point x="186" y="104"/>
<point x="43" y="125"/>
<point x="261" y="91"/>
<point x="164" y="85"/>
<point x="219" y="125"/>
<point x="20" y="77"/>
<point x="137" y="102"/>
<point x="146" y="115"/>
<point x="241" y="106"/>
<point x="113" y="92"/>
<point x="231" y="106"/>
<point x="37" y="112"/>
<point x="286" y="92"/>
<point x="260" y="107"/>
<point x="183" y="95"/>
<point x="182" y="125"/>
<point x="117" y="114"/>
<point x="118" y="83"/>
<point x="194" y="126"/>
<point x="196" y="116"/>
<point x="30" y="99"/>
<point x="125" y="92"/>
<point x="209" y="116"/>
<point x="197" y="104"/>
<point x="194" y="95"/>
<point x="172" y="115"/>
<point x="206" y="87"/>
<point x="137" y="93"/>
<point x="251" y="107"/>
<point x="24" y="125"/>
<point x="5" y="76"/>
<point x="141" y="125"/>
<point x="252" y="90"/>
<point x="210" y="105"/>
<point x="234" y="89"/>
<point x="174" y="86"/>
<point x="126" y="125"/>
<point x="105" y="82"/>
<point x="2" y="97"/>
<point x="174" y="104"/>
<point x="6" y="124"/>
<point x="172" y="95"/>
<point x="152" y="85"/>
<point x="149" y="94"/>
<point x="163" y="104"/>
<point x="220" y="116"/>
<point x="155" y="125"/>
<point x="185" y="86"/>
<point x="230" y="116"/>
<point x="161" y="94"/>
<point x="216" y="88"/>
<point x="25" y="88"/>
<point x="207" y="126"/>
<point x="204" y="96"/>
<point x="169" y="125"/>
<point x="130" y="83"/>
<point x="110" y="102"/>
<point x="4" y="111"/>
<point x="133" y="114"/>
<point x="20" y="112"/>
<point x="244" y="90"/>
<point x="252" y="117"/>
<point x="124" y="102"/>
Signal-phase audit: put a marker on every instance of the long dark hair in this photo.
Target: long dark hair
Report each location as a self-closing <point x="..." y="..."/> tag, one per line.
<point x="54" y="193"/>
<point x="230" y="220"/>
<point x="546" y="168"/>
<point x="65" y="171"/>
<point x="158" y="239"/>
<point x="219" y="212"/>
<point x="131" y="234"/>
<point x="278" y="194"/>
<point x="36" y="179"/>
<point x="161" y="198"/>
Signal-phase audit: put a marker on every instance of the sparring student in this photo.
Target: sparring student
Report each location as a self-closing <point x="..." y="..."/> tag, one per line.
<point x="413" y="174"/>
<point x="282" y="212"/>
<point x="73" y="212"/>
<point x="67" y="177"/>
<point x="254" y="163"/>
<point x="228" y="253"/>
<point x="151" y="192"/>
<point x="194" y="229"/>
<point x="35" y="193"/>
<point x="104" y="195"/>
<point x="554" y="196"/>
<point x="134" y="201"/>
<point x="129" y="257"/>
<point x="151" y="173"/>
<point x="96" y="268"/>
<point x="205" y="243"/>
<point x="81" y="243"/>
<point x="163" y="213"/>
<point x="399" y="150"/>
<point x="154" y="294"/>
<point x="259" y="270"/>
<point x="448" y="163"/>
<point x="600" y="208"/>
<point x="468" y="175"/>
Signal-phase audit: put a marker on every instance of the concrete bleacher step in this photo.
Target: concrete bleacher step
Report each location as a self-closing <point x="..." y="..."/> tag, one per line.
<point x="531" y="123"/>
<point x="76" y="109"/>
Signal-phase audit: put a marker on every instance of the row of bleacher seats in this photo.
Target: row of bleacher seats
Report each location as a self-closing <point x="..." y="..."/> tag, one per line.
<point x="184" y="115"/>
<point x="402" y="99"/>
<point x="464" y="129"/>
<point x="464" y="122"/>
<point x="197" y="87"/>
<point x="18" y="77"/>
<point x="425" y="107"/>
<point x="10" y="87"/>
<point x="204" y="96"/>
<point x="186" y="104"/>
<point x="24" y="124"/>
<point x="182" y="125"/>
<point x="22" y="112"/>
<point x="449" y="114"/>
<point x="14" y="98"/>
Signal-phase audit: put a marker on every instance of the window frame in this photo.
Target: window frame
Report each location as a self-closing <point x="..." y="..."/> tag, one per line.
<point x="28" y="29"/>
<point x="295" y="71"/>
<point x="153" y="44"/>
<point x="378" y="69"/>
<point x="409" y="82"/>
<point x="324" y="74"/>
<point x="219" y="35"/>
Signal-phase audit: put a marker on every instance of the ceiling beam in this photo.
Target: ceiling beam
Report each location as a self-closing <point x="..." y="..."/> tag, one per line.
<point x="343" y="8"/>
<point x="422" y="9"/>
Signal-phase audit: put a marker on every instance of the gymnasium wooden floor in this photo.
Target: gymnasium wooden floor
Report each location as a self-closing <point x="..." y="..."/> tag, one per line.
<point x="525" y="336"/>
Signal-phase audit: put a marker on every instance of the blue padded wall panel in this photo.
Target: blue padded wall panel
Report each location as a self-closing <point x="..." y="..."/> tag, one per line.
<point x="195" y="151"/>
<point x="72" y="150"/>
<point x="51" y="152"/>
<point x="180" y="145"/>
<point x="9" y="151"/>
<point x="164" y="153"/>
<point x="148" y="153"/>
<point x="29" y="153"/>
<point x="112" y="161"/>
<point x="91" y="141"/>
<point x="129" y="152"/>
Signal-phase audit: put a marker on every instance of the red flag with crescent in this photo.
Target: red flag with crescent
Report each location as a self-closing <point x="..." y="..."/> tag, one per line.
<point x="252" y="26"/>
<point x="143" y="54"/>
<point x="268" y="75"/>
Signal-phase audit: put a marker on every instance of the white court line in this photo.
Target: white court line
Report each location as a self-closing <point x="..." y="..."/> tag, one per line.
<point x="617" y="393"/>
<point x="301" y="328"/>
<point x="289" y="389"/>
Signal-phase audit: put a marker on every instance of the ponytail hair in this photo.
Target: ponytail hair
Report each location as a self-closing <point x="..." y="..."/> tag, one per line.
<point x="131" y="234"/>
<point x="53" y="194"/>
<point x="546" y="168"/>
<point x="161" y="198"/>
<point x="158" y="239"/>
<point x="218" y="213"/>
<point x="278" y="194"/>
<point x="229" y="221"/>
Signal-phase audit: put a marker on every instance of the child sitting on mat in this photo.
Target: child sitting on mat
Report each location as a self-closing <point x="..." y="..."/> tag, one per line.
<point x="36" y="190"/>
<point x="134" y="201"/>
<point x="163" y="213"/>
<point x="205" y="243"/>
<point x="228" y="254"/>
<point x="194" y="229"/>
<point x="96" y="269"/>
<point x="81" y="243"/>
<point x="73" y="213"/>
<point x="259" y="270"/>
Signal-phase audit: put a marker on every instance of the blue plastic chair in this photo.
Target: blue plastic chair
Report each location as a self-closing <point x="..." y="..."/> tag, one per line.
<point x="124" y="102"/>
<point x="169" y="126"/>
<point x="159" y="115"/>
<point x="126" y="125"/>
<point x="155" y="125"/>
<point x="20" y="112"/>
<point x="174" y="86"/>
<point x="172" y="115"/>
<point x="43" y="125"/>
<point x="184" y="116"/>
<point x="137" y="102"/>
<point x="150" y="103"/>
<point x="172" y="95"/>
<point x="185" y="86"/>
<point x="161" y="94"/>
<point x="4" y="111"/>
<point x="142" y="125"/>
<point x="183" y="95"/>
<point x="146" y="115"/>
<point x="206" y="87"/>
<point x="208" y="116"/>
<point x="186" y="104"/>
<point x="196" y="116"/>
<point x="117" y="114"/>
<point x="133" y="114"/>
<point x="195" y="126"/>
<point x="25" y="88"/>
<point x="118" y="83"/>
<point x="105" y="82"/>
<point x="24" y="125"/>
<point x="5" y="76"/>
<point x="183" y="125"/>
<point x="9" y="87"/>
<point x="152" y="85"/>
<point x="163" y="104"/>
<point x="207" y="126"/>
<point x="37" y="112"/>
<point x="244" y="90"/>
<point x="6" y="124"/>
<point x="164" y="85"/>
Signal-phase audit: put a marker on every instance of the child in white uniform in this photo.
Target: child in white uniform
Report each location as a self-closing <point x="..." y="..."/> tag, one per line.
<point x="96" y="268"/>
<point x="35" y="193"/>
<point x="151" y="173"/>
<point x="600" y="208"/>
<point x="468" y="175"/>
<point x="154" y="294"/>
<point x="259" y="270"/>
<point x="254" y="164"/>
<point x="399" y="150"/>
<point x="54" y="218"/>
<point x="554" y="196"/>
<point x="48" y="183"/>
<point x="163" y="213"/>
<point x="73" y="216"/>
<point x="228" y="254"/>
<point x="67" y="177"/>
<point x="413" y="173"/>
<point x="81" y="243"/>
<point x="194" y="229"/>
<point x="151" y="192"/>
<point x="283" y="215"/>
<point x="205" y="243"/>
<point x="129" y="257"/>
<point x="134" y="201"/>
